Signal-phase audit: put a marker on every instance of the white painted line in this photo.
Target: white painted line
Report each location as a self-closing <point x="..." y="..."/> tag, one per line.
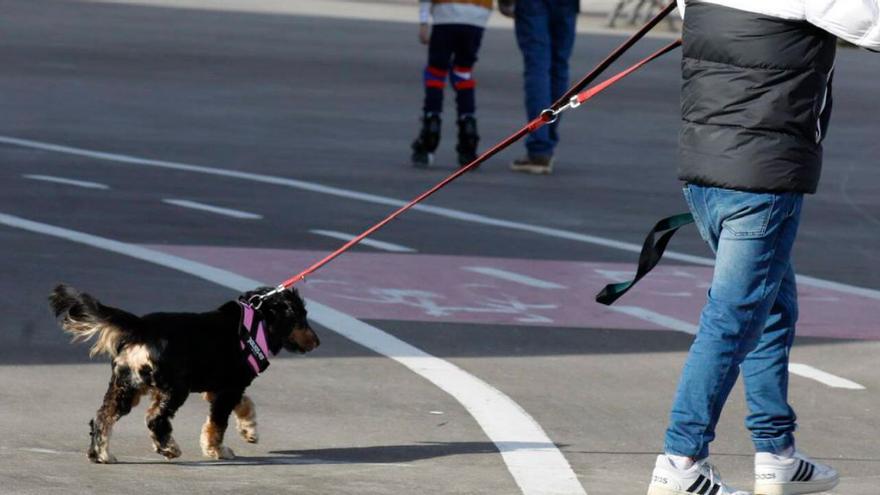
<point x="185" y="203"/>
<point x="433" y="210"/>
<point x="537" y="466"/>
<point x="689" y="328"/>
<point x="42" y="451"/>
<point x="513" y="277"/>
<point x="385" y="246"/>
<point x="67" y="182"/>
<point x="820" y="376"/>
<point x="658" y="319"/>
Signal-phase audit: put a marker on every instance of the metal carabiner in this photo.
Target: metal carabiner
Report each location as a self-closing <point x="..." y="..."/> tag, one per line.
<point x="256" y="300"/>
<point x="549" y="116"/>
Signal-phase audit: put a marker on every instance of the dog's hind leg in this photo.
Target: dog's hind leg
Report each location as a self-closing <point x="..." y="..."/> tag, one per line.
<point x="121" y="396"/>
<point x="246" y="420"/>
<point x="164" y="406"/>
<point x="222" y="404"/>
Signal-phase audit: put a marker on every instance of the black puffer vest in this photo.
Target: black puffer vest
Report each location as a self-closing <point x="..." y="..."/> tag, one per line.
<point x="755" y="101"/>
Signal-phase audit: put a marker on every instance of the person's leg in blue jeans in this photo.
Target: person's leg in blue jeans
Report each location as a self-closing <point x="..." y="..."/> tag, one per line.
<point x="545" y="31"/>
<point x="563" y="19"/>
<point x="752" y="234"/>
<point x="532" y="23"/>
<point x="765" y="374"/>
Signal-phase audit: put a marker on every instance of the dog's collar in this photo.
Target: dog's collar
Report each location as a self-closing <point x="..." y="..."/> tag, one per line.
<point x="252" y="333"/>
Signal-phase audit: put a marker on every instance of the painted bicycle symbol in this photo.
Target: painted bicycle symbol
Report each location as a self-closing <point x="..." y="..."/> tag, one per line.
<point x="484" y="299"/>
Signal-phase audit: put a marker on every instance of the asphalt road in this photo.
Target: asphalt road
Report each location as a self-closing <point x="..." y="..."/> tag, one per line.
<point x="495" y="287"/>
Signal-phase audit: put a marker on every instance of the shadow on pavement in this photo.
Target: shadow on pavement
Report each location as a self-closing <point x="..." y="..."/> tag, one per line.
<point x="378" y="454"/>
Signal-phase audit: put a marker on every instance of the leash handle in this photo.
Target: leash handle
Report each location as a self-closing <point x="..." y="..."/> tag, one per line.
<point x="648" y="258"/>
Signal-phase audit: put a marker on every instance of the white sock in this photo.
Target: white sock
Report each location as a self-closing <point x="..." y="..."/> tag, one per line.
<point x="788" y="452"/>
<point x="680" y="461"/>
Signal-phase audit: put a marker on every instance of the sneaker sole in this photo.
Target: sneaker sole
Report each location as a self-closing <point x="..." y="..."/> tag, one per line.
<point x="662" y="490"/>
<point x="796" y="487"/>
<point x="533" y="169"/>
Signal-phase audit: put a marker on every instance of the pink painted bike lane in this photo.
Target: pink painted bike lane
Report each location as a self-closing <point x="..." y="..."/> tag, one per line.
<point x="505" y="291"/>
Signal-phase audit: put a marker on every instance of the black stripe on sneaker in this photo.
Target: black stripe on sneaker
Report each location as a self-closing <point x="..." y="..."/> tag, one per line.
<point x="800" y="471"/>
<point x="714" y="489"/>
<point x="809" y="475"/>
<point x="698" y="483"/>
<point x="705" y="488"/>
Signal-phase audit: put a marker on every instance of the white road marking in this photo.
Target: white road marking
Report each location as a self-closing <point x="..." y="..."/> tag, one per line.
<point x="671" y="323"/>
<point x="433" y="210"/>
<point x="835" y="381"/>
<point x="42" y="451"/>
<point x="385" y="246"/>
<point x="537" y="466"/>
<point x="658" y="319"/>
<point x="67" y="182"/>
<point x="185" y="203"/>
<point x="513" y="277"/>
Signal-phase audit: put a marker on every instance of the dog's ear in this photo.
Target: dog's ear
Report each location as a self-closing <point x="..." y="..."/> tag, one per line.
<point x="296" y="302"/>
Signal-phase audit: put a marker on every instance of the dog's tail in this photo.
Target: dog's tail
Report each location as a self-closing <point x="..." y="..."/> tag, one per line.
<point x="84" y="317"/>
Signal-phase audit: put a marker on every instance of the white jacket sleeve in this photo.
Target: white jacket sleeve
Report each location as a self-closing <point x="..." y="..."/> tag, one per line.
<point x="856" y="21"/>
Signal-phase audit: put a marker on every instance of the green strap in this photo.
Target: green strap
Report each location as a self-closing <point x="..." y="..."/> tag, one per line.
<point x="648" y="258"/>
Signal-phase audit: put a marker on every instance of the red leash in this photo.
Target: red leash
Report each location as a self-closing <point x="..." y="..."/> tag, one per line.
<point x="572" y="99"/>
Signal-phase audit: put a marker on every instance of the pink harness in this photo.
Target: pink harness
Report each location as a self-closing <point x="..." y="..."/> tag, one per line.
<point x="252" y="332"/>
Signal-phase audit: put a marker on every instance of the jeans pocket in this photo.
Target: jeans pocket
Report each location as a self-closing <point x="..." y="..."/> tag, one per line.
<point x="748" y="214"/>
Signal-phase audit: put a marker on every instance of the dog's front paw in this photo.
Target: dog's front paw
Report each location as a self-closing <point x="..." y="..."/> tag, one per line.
<point x="249" y="434"/>
<point x="103" y="458"/>
<point x="221" y="452"/>
<point x="170" y="450"/>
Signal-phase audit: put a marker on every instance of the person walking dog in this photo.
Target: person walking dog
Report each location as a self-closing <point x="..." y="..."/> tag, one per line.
<point x="755" y="102"/>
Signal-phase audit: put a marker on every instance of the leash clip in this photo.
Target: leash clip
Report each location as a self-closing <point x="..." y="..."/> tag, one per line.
<point x="549" y="116"/>
<point x="256" y="300"/>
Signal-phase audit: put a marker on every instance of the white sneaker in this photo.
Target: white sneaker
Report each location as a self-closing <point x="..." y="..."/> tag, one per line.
<point x="777" y="475"/>
<point x="702" y="479"/>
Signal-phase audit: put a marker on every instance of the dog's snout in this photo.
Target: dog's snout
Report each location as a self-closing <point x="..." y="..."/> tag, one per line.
<point x="305" y="338"/>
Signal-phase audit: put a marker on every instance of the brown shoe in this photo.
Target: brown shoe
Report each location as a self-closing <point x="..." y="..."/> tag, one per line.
<point x="533" y="164"/>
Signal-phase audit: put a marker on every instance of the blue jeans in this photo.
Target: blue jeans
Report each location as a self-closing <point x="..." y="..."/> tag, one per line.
<point x="748" y="322"/>
<point x="545" y="32"/>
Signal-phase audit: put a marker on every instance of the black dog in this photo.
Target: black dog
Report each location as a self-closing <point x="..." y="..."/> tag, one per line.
<point x="170" y="355"/>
